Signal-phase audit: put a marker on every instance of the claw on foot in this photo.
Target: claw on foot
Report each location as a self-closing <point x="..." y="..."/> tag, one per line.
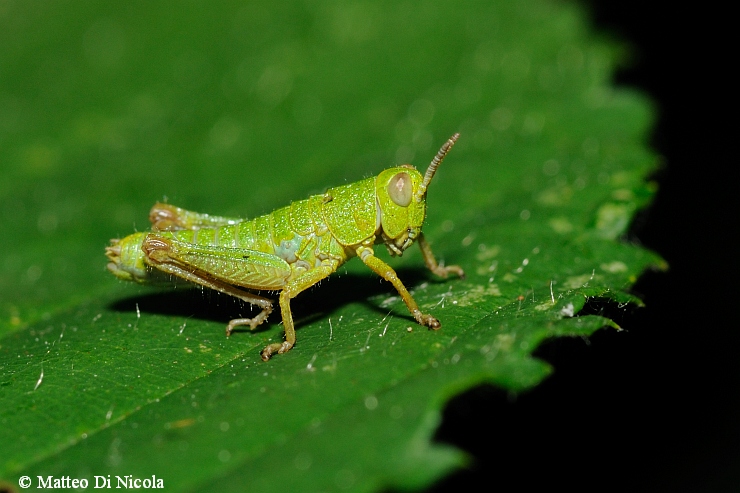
<point x="444" y="271"/>
<point x="456" y="269"/>
<point x="428" y="321"/>
<point x="239" y="322"/>
<point x="278" y="347"/>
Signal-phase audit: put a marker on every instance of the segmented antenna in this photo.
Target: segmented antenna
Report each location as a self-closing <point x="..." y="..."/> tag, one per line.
<point x="435" y="164"/>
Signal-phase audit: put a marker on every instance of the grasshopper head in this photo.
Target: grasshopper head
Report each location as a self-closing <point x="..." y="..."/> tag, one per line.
<point x="401" y="194"/>
<point x="127" y="258"/>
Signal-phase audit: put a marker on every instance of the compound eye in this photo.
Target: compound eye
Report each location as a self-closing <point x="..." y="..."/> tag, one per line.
<point x="400" y="190"/>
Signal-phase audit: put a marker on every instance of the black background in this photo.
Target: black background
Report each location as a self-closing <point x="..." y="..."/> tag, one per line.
<point x="656" y="407"/>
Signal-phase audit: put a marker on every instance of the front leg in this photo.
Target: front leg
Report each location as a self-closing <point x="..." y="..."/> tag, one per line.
<point x="386" y="272"/>
<point x="431" y="262"/>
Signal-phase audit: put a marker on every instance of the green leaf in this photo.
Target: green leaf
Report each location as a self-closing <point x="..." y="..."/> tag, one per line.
<point x="236" y="109"/>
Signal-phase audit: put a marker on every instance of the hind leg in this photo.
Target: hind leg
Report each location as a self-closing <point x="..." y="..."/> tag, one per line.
<point x="167" y="217"/>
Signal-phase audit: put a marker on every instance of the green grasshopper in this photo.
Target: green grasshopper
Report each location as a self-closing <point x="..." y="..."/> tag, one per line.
<point x="290" y="249"/>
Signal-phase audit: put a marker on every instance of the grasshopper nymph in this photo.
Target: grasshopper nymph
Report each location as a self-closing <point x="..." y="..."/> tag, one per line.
<point x="290" y="249"/>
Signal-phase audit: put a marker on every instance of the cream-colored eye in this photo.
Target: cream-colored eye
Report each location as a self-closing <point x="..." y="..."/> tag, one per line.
<point x="400" y="190"/>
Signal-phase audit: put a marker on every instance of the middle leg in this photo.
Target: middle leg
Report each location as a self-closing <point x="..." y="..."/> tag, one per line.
<point x="290" y="291"/>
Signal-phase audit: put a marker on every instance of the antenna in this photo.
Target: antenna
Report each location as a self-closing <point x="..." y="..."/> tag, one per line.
<point x="434" y="165"/>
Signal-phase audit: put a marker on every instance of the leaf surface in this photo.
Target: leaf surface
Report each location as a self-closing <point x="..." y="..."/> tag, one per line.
<point x="236" y="110"/>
